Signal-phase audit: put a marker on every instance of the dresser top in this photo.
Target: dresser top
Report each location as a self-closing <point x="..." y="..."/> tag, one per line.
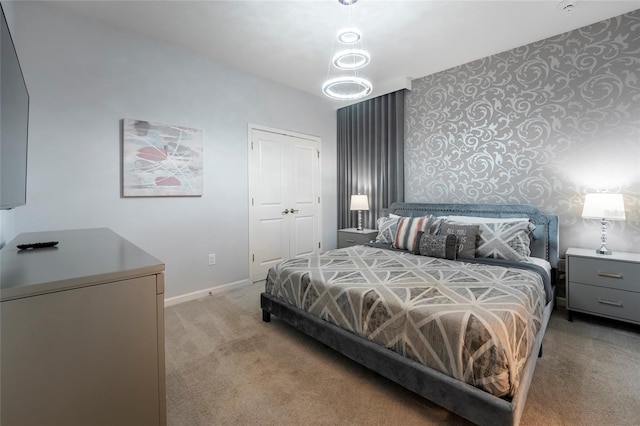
<point x="82" y="257"/>
<point x="591" y="253"/>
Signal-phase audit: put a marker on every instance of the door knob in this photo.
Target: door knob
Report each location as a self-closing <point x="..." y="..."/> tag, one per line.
<point x="294" y="210"/>
<point x="285" y="211"/>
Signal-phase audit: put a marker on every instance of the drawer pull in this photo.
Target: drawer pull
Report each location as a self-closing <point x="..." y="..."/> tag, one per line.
<point x="610" y="275"/>
<point x="610" y="303"/>
<point x="351" y="241"/>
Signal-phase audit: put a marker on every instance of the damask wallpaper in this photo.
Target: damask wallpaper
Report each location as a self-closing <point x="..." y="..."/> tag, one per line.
<point x="542" y="124"/>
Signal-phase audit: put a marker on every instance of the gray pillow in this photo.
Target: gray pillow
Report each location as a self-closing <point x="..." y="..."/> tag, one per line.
<point x="441" y="246"/>
<point x="501" y="238"/>
<point x="387" y="229"/>
<point x="505" y="240"/>
<point x="467" y="236"/>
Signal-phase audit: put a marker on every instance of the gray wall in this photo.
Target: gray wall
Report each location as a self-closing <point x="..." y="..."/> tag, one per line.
<point x="84" y="77"/>
<point x="542" y="124"/>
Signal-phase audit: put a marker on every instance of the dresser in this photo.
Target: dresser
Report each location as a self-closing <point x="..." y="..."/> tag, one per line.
<point x="351" y="237"/>
<point x="604" y="285"/>
<point x="82" y="331"/>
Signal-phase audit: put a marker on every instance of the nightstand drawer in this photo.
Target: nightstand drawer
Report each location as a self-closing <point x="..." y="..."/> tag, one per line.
<point x="605" y="273"/>
<point x="346" y="240"/>
<point x="604" y="301"/>
<point x="351" y="237"/>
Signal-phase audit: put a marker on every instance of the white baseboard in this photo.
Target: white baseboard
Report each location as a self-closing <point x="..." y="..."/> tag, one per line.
<point x="204" y="293"/>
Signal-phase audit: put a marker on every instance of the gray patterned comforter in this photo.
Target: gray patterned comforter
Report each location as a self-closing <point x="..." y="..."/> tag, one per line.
<point x="474" y="322"/>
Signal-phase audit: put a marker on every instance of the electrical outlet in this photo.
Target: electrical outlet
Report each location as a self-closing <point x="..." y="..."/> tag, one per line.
<point x="212" y="259"/>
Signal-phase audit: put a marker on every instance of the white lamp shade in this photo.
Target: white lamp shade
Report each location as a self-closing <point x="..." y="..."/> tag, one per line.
<point x="359" y="202"/>
<point x="604" y="206"/>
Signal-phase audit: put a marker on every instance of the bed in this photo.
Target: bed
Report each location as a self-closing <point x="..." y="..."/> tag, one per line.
<point x="340" y="296"/>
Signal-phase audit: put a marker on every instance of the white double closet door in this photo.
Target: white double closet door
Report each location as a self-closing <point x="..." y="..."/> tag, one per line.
<point x="284" y="198"/>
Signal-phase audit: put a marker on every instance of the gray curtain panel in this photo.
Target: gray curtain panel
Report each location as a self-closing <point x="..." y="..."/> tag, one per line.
<point x="370" y="156"/>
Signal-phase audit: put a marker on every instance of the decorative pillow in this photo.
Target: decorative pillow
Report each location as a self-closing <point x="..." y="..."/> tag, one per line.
<point x="508" y="240"/>
<point x="466" y="235"/>
<point x="503" y="238"/>
<point x="387" y="226"/>
<point x="408" y="228"/>
<point x="441" y="246"/>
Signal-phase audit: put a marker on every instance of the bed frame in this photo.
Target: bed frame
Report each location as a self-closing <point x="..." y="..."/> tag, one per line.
<point x="461" y="398"/>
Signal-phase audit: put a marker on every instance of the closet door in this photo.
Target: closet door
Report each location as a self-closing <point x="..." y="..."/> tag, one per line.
<point x="284" y="218"/>
<point x="304" y="199"/>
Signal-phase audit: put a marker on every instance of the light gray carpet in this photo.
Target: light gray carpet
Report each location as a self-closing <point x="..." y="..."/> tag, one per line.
<point x="224" y="366"/>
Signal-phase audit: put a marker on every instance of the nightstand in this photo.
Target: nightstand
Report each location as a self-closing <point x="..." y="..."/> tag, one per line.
<point x="351" y="236"/>
<point x="604" y="285"/>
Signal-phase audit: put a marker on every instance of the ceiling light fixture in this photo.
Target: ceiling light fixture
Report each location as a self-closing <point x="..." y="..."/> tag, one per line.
<point x="348" y="87"/>
<point x="349" y="36"/>
<point x="351" y="59"/>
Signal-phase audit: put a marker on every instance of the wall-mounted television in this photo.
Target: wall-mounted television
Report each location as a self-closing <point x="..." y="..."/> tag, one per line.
<point x="14" y="124"/>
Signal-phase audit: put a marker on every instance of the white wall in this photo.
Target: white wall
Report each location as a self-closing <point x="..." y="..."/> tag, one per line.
<point x="84" y="77"/>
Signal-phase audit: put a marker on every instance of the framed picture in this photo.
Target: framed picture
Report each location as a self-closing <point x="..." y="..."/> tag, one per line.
<point x="160" y="160"/>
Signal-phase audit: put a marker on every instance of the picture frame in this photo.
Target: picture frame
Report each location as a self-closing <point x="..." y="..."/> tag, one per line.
<point x="161" y="160"/>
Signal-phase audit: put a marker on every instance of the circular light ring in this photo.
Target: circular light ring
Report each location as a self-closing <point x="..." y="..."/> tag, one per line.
<point x="349" y="36"/>
<point x="339" y="88"/>
<point x="347" y="2"/>
<point x="351" y="59"/>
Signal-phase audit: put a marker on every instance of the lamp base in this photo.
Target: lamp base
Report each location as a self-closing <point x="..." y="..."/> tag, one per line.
<point x="603" y="239"/>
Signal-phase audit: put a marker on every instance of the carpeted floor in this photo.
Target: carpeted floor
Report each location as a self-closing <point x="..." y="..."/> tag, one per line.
<point x="224" y="366"/>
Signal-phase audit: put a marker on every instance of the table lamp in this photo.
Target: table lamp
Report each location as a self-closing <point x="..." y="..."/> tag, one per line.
<point x="606" y="207"/>
<point x="359" y="202"/>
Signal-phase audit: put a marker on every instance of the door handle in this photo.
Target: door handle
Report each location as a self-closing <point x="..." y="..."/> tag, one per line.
<point x="285" y="211"/>
<point x="294" y="210"/>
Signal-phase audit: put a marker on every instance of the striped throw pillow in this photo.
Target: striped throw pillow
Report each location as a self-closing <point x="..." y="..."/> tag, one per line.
<point x="407" y="231"/>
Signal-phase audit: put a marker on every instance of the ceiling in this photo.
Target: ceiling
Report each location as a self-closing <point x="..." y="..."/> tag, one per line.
<point x="292" y="42"/>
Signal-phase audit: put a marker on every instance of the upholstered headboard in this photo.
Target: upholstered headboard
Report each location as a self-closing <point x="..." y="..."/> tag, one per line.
<point x="544" y="243"/>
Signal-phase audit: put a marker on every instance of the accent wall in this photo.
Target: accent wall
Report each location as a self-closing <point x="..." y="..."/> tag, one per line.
<point x="541" y="124"/>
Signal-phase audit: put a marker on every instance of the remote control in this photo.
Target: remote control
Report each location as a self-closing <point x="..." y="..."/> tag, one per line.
<point x="37" y="245"/>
